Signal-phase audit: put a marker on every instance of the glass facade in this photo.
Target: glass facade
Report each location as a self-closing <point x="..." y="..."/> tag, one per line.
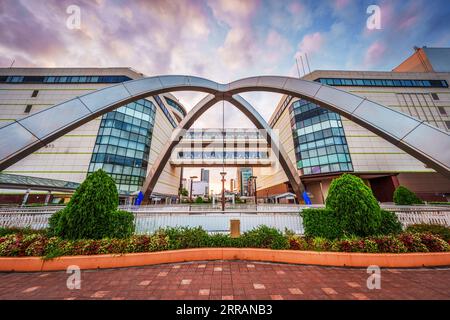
<point x="63" y="79"/>
<point x="165" y="111"/>
<point x="319" y="139"/>
<point x="123" y="144"/>
<point x="176" y="106"/>
<point x="383" y="83"/>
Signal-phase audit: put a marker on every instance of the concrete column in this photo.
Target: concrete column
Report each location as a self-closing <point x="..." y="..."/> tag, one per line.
<point x="232" y="199"/>
<point x="25" y="197"/>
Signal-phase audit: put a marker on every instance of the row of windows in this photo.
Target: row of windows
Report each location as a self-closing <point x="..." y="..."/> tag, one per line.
<point x="337" y="134"/>
<point x="383" y="83"/>
<point x="324" y="151"/>
<point x="123" y="135"/>
<point x="219" y="135"/>
<point x="63" y="79"/>
<point x="328" y="159"/>
<point x="318" y="127"/>
<point x="125" y="152"/>
<point x="321" y="143"/>
<point x="176" y="106"/>
<point x="314" y="118"/>
<point x="118" y="169"/>
<point x="335" y="167"/>
<point x="220" y="155"/>
<point x="130" y="119"/>
<point x="165" y="111"/>
<point x="118" y="159"/>
<point x="120" y="142"/>
<point x="126" y="126"/>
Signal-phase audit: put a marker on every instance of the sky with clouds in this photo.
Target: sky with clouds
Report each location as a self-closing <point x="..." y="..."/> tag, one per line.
<point x="219" y="39"/>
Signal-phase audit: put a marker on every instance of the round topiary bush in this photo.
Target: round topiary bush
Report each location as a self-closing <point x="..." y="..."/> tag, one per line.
<point x="355" y="206"/>
<point x="404" y="196"/>
<point x="92" y="212"/>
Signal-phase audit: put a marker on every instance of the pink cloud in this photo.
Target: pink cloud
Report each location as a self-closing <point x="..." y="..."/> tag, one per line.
<point x="341" y="4"/>
<point x="312" y="42"/>
<point x="374" y="53"/>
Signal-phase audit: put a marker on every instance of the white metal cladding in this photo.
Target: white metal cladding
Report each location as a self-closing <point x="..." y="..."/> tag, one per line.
<point x="428" y="144"/>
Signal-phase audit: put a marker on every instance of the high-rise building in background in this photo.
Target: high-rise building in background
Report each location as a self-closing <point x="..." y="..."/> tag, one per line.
<point x="232" y="185"/>
<point x="243" y="174"/>
<point x="204" y="175"/>
<point x="324" y="144"/>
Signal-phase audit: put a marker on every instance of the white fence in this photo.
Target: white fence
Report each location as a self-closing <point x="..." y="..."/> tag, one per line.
<point x="150" y="218"/>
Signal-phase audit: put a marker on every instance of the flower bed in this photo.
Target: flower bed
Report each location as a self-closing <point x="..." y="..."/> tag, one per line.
<point x="30" y="244"/>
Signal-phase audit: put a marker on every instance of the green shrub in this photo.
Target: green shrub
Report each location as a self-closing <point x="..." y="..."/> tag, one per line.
<point x="184" y="237"/>
<point x="404" y="196"/>
<point x="264" y="237"/>
<point x="321" y="223"/>
<point x="298" y="243"/>
<point x="389" y="223"/>
<point x="434" y="243"/>
<point x="199" y="200"/>
<point x="389" y="244"/>
<point x="24" y="231"/>
<point x="435" y="229"/>
<point x="355" y="206"/>
<point x="92" y="212"/>
<point x="413" y="242"/>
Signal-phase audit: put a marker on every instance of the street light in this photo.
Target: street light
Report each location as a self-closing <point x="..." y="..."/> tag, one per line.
<point x="190" y="193"/>
<point x="254" y="180"/>
<point x="223" y="174"/>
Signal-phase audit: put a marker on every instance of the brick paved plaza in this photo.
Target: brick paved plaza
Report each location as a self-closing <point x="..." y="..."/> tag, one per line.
<point x="238" y="280"/>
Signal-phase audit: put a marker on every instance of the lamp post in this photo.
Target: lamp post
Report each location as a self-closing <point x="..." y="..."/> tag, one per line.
<point x="254" y="189"/>
<point x="190" y="193"/>
<point x="223" y="190"/>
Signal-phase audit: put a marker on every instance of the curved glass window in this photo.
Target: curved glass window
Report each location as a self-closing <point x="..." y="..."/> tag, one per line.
<point x="319" y="139"/>
<point x="123" y="144"/>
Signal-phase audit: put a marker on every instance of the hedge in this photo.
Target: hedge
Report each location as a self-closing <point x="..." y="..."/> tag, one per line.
<point x="438" y="230"/>
<point x="36" y="244"/>
<point x="321" y="223"/>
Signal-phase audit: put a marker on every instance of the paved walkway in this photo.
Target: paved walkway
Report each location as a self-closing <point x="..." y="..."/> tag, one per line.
<point x="229" y="280"/>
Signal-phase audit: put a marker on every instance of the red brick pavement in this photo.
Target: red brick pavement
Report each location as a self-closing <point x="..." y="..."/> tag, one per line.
<point x="228" y="280"/>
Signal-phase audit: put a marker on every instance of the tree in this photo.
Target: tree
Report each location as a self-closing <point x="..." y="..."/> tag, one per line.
<point x="356" y="208"/>
<point x="92" y="212"/>
<point x="404" y="196"/>
<point x="183" y="192"/>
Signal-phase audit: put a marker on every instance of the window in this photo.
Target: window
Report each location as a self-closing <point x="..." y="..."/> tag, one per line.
<point x="35" y="93"/>
<point x="435" y="96"/>
<point x="447" y="123"/>
<point x="383" y="83"/>
<point x="28" y="108"/>
<point x="442" y="111"/>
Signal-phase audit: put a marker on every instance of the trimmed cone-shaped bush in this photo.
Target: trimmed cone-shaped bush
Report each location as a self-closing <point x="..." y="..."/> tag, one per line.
<point x="404" y="196"/>
<point x="92" y="212"/>
<point x="389" y="223"/>
<point x="355" y="206"/>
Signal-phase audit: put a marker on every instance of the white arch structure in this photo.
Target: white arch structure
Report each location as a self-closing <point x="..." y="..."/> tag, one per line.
<point x="421" y="140"/>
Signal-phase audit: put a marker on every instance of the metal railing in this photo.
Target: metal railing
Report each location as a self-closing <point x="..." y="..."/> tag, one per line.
<point x="150" y="218"/>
